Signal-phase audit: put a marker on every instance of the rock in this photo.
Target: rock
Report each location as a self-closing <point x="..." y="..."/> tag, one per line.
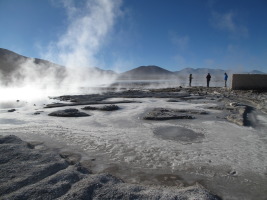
<point x="234" y="104"/>
<point x="90" y="108"/>
<point x="232" y="173"/>
<point x="103" y="108"/>
<point x="166" y="114"/>
<point x="68" y="113"/>
<point x="30" y="173"/>
<point x="10" y="139"/>
<point x="37" y="112"/>
<point x="23" y="168"/>
<point x="109" y="107"/>
<point x="11" y="110"/>
<point x="237" y="113"/>
<point x="193" y="97"/>
<point x="197" y="112"/>
<point x="216" y="107"/>
<point x="173" y="100"/>
<point x="235" y="118"/>
<point x="54" y="105"/>
<point x="70" y="157"/>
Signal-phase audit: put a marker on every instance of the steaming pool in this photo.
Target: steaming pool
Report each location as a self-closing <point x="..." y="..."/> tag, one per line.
<point x="229" y="160"/>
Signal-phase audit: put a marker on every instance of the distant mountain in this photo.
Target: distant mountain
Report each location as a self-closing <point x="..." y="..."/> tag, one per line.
<point x="149" y="72"/>
<point x="201" y="71"/>
<point x="152" y="72"/>
<point x="105" y="72"/>
<point x="256" y="72"/>
<point x="9" y="61"/>
<point x="15" y="69"/>
<point x="155" y="72"/>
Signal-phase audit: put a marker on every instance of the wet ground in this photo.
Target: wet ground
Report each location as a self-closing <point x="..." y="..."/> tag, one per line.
<point x="178" y="134"/>
<point x="228" y="159"/>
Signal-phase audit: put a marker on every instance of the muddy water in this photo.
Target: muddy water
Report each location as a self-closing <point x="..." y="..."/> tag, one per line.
<point x="178" y="134"/>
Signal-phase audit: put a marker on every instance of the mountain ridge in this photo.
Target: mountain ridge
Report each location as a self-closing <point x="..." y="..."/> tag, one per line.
<point x="146" y="72"/>
<point x="13" y="63"/>
<point x="15" y="68"/>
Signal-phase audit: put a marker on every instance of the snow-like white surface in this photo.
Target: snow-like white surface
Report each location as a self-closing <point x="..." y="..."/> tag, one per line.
<point x="124" y="137"/>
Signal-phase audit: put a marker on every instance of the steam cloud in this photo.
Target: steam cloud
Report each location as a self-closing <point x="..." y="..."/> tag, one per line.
<point x="89" y="24"/>
<point x="87" y="30"/>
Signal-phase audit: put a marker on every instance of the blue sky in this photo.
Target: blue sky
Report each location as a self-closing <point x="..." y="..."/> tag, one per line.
<point x="124" y="34"/>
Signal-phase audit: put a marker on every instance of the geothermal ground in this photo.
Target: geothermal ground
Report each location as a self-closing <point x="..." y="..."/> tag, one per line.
<point x="163" y="143"/>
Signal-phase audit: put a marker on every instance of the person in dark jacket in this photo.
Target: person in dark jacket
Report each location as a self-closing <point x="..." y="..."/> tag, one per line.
<point x="190" y="79"/>
<point x="225" y="79"/>
<point x="208" y="77"/>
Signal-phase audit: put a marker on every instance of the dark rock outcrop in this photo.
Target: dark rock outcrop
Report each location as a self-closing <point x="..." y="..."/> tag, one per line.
<point x="39" y="173"/>
<point x="166" y="114"/>
<point x="237" y="114"/>
<point x="71" y="112"/>
<point x="103" y="108"/>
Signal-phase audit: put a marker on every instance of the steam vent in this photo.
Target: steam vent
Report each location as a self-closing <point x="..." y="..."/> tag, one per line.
<point x="249" y="82"/>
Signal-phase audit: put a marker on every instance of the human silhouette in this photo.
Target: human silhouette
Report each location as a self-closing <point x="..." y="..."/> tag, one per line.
<point x="225" y="79"/>
<point x="190" y="80"/>
<point x="208" y="77"/>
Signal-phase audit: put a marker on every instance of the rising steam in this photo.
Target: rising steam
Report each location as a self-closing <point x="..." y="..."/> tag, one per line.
<point x="88" y="28"/>
<point x="89" y="24"/>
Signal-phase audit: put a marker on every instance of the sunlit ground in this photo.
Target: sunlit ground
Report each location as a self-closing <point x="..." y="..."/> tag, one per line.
<point x="124" y="144"/>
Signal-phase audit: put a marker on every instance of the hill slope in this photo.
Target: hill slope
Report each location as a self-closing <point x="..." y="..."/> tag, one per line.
<point x="16" y="69"/>
<point x="201" y="71"/>
<point x="147" y="72"/>
<point x="215" y="72"/>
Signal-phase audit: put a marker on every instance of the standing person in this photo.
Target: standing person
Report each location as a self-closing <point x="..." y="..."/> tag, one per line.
<point x="208" y="77"/>
<point x="190" y="80"/>
<point x="225" y="79"/>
